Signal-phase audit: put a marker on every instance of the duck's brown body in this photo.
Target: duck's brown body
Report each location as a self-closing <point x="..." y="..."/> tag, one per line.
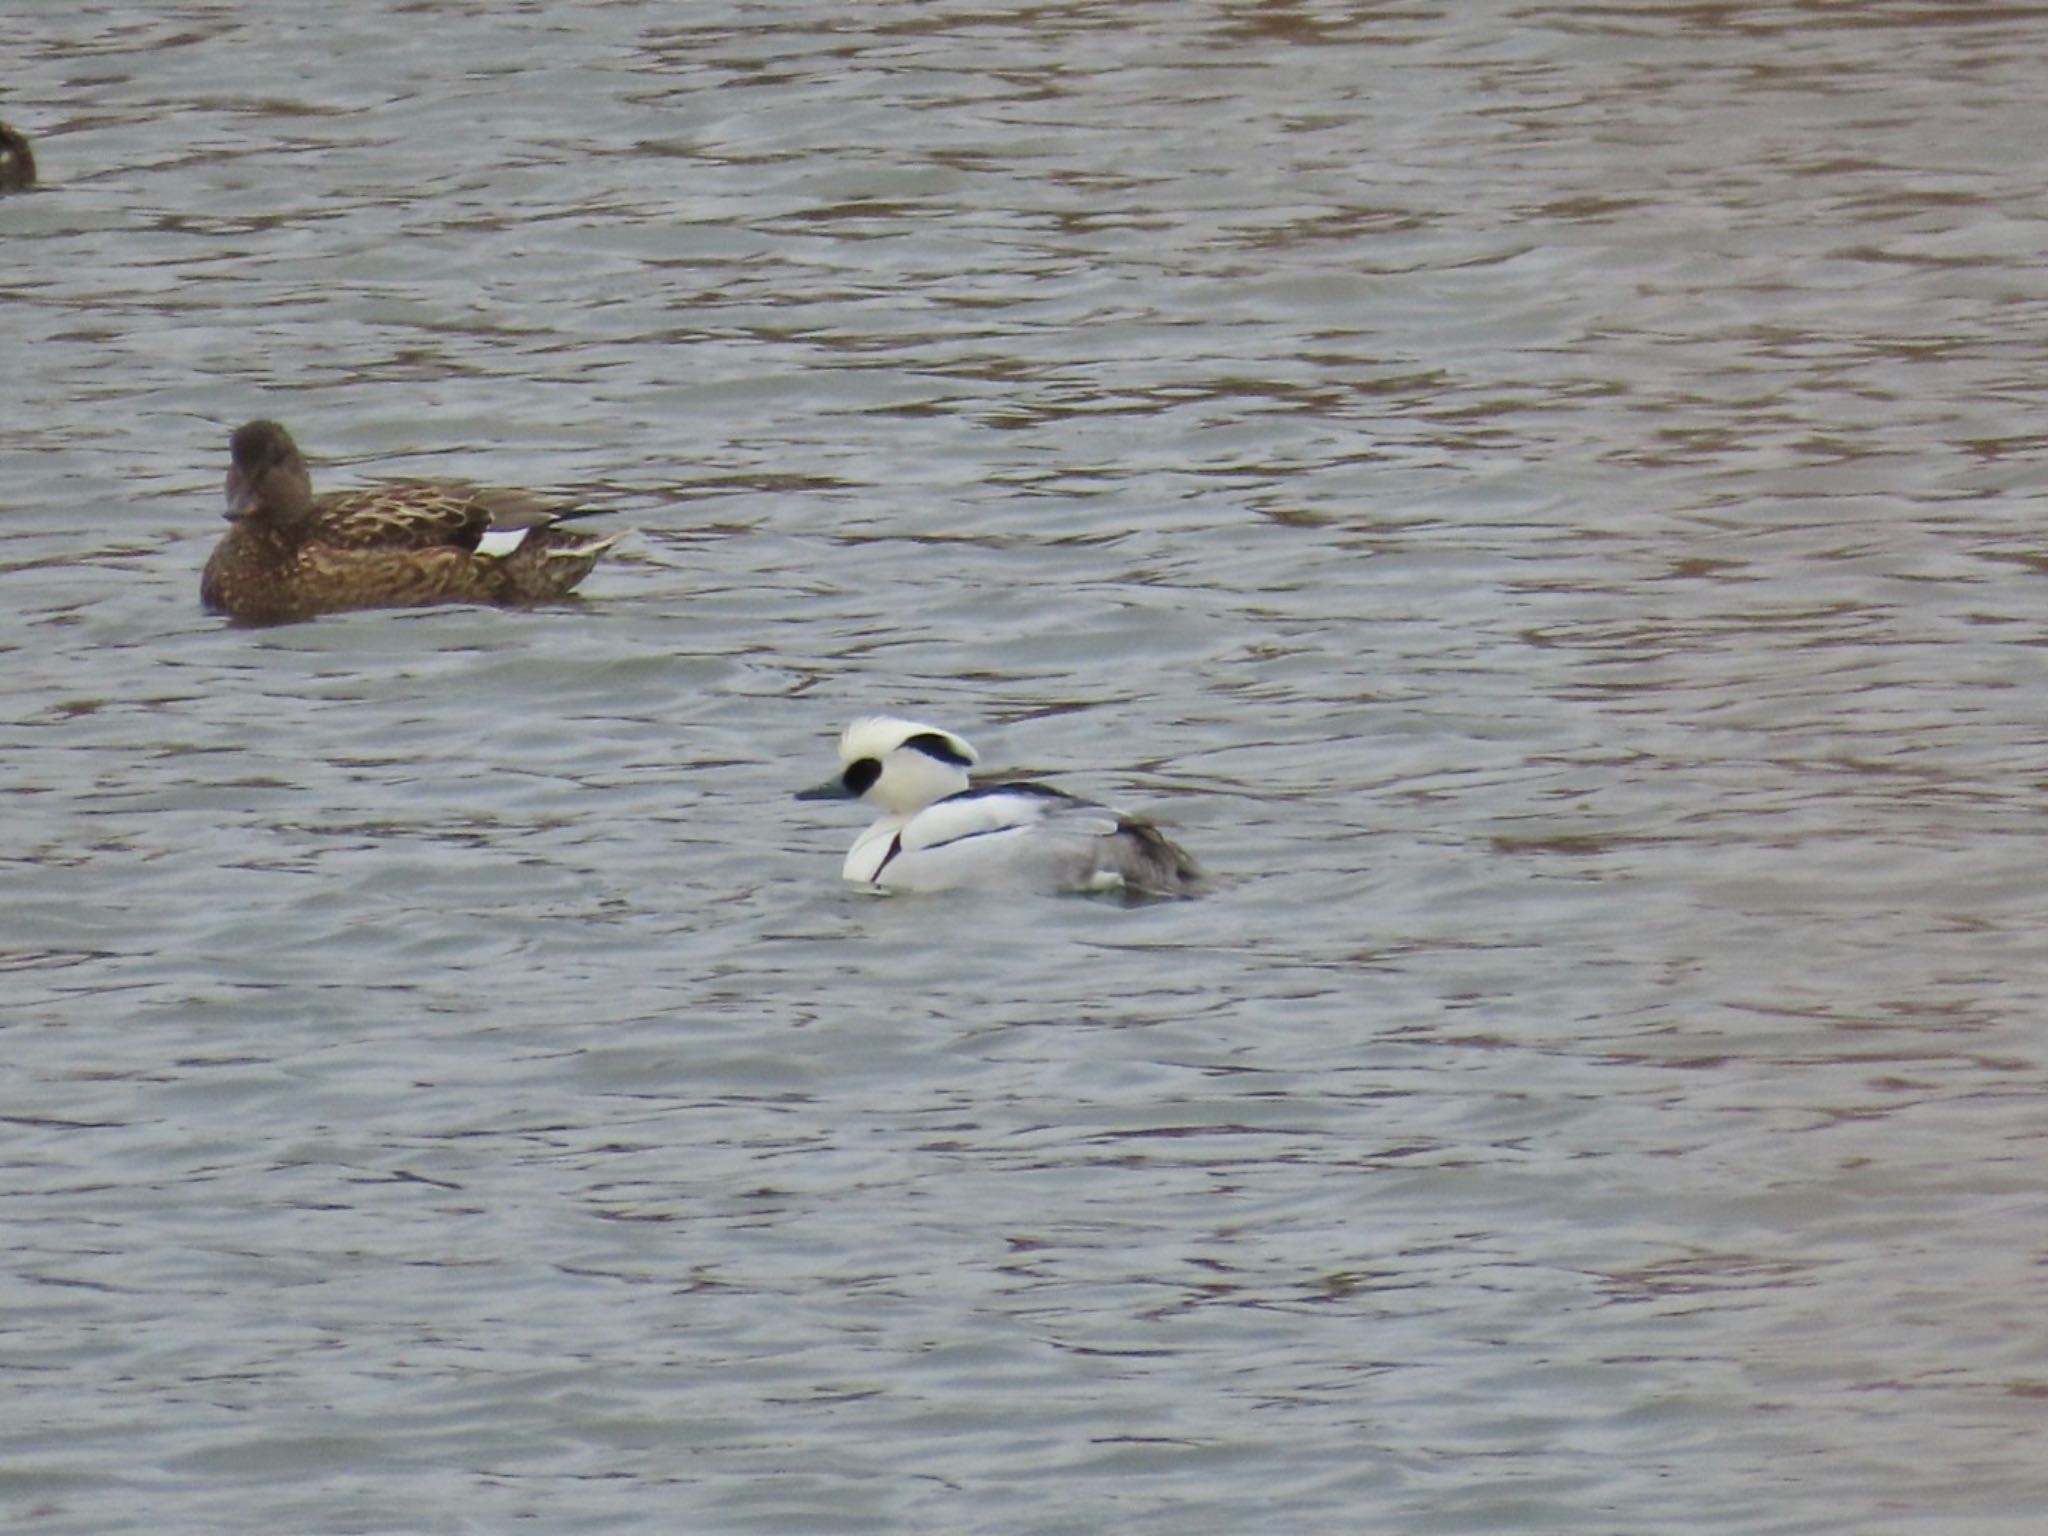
<point x="292" y="555"/>
<point x="17" y="160"/>
<point x="262" y="575"/>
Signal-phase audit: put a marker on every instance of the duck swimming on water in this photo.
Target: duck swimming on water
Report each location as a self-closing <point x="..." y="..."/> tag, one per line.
<point x="292" y="554"/>
<point x="937" y="832"/>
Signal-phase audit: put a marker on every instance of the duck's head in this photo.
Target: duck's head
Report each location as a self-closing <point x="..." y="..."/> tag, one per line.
<point x="898" y="766"/>
<point x="267" y="476"/>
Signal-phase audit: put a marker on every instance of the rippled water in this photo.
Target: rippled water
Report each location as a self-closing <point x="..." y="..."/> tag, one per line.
<point x="1544" y="499"/>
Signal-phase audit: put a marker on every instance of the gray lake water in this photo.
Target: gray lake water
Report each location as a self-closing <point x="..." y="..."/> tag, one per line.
<point x="1546" y="500"/>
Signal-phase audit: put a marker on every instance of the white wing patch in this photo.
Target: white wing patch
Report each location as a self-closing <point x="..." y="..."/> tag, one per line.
<point x="969" y="815"/>
<point x="500" y="542"/>
<point x="978" y="813"/>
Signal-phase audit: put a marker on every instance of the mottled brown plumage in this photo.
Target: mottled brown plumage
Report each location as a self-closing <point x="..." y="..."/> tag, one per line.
<point x="292" y="555"/>
<point x="17" y="160"/>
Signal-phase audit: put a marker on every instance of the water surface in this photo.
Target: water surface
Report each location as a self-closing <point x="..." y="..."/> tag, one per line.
<point x="1543" y="499"/>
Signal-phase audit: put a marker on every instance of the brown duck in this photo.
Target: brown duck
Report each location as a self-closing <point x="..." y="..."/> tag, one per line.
<point x="291" y="554"/>
<point x="17" y="160"/>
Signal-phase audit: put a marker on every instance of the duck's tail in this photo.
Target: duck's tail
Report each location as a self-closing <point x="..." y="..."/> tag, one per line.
<point x="1153" y="864"/>
<point x="547" y="562"/>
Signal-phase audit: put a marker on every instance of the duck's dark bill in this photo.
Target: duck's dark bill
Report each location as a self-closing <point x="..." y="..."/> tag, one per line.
<point x="831" y="789"/>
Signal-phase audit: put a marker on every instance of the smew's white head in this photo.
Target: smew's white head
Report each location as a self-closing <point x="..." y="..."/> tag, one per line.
<point x="898" y="766"/>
